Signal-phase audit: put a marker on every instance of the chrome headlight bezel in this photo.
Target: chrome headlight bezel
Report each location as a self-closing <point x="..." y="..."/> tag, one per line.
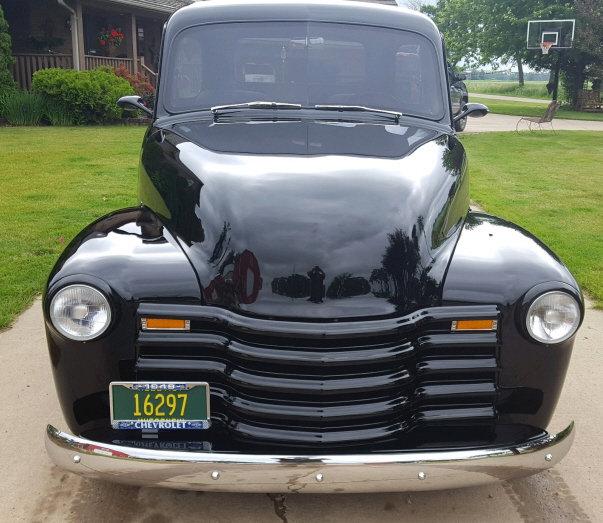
<point x="530" y="312"/>
<point x="97" y="296"/>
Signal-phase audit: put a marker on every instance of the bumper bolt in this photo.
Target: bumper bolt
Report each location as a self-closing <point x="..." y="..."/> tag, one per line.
<point x="421" y="475"/>
<point x="319" y="477"/>
<point x="77" y="458"/>
<point x="215" y="475"/>
<point x="548" y="457"/>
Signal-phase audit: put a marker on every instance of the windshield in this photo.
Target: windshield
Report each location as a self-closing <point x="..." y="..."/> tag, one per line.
<point x="306" y="63"/>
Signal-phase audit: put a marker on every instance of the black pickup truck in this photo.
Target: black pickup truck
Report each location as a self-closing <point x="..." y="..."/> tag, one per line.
<point x="303" y="300"/>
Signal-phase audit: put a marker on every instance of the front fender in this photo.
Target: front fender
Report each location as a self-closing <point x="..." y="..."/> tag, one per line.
<point x="131" y="257"/>
<point x="497" y="262"/>
<point x="133" y="251"/>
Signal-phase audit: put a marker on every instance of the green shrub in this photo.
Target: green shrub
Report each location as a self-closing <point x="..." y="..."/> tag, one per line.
<point x="57" y="114"/>
<point x="22" y="108"/>
<point x="87" y="96"/>
<point x="140" y="83"/>
<point x="6" y="56"/>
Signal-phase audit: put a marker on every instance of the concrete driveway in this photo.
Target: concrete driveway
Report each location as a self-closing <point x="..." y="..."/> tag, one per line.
<point x="32" y="489"/>
<point x="506" y="98"/>
<point x="503" y="122"/>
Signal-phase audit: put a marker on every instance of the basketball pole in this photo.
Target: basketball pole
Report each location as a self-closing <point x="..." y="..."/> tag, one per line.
<point x="556" y="78"/>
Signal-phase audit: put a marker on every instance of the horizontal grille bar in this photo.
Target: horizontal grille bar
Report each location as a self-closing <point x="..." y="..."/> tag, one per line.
<point x="454" y="366"/>
<point x="208" y="345"/>
<point x="280" y="384"/>
<point x="236" y="323"/>
<point x="318" y="436"/>
<point x="473" y="414"/>
<point x="317" y="412"/>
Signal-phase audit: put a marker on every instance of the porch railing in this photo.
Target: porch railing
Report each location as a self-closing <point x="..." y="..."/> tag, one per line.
<point x="27" y="64"/>
<point x="93" y="61"/>
<point x="148" y="72"/>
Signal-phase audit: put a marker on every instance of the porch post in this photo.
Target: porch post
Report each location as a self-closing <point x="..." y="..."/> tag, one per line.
<point x="74" y="43"/>
<point x="134" y="38"/>
<point x="80" y="35"/>
<point x="74" y="23"/>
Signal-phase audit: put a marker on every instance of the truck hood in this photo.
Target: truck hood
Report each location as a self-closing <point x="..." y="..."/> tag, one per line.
<point x="309" y="220"/>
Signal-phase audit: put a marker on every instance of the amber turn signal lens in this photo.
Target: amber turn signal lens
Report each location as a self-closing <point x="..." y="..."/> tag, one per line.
<point x="474" y="325"/>
<point x="165" y="324"/>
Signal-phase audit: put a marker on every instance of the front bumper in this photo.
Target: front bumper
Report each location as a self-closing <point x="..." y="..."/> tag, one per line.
<point x="387" y="472"/>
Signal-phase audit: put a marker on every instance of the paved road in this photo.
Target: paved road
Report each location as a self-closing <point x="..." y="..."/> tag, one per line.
<point x="510" y="98"/>
<point x="32" y="489"/>
<point x="502" y="122"/>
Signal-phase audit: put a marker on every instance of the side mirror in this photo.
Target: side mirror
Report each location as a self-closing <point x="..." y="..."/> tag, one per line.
<point x="132" y="103"/>
<point x="473" y="110"/>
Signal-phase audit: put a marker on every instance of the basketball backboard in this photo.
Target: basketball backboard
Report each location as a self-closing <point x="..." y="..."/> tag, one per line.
<point x="558" y="34"/>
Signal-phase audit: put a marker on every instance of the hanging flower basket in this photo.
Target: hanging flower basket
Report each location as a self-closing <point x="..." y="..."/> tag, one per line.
<point x="111" y="37"/>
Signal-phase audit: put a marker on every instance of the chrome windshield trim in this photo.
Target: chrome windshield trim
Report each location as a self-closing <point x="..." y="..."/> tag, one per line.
<point x="377" y="472"/>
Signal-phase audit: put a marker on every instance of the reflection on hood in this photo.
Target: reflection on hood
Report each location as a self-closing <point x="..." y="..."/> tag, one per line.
<point x="365" y="229"/>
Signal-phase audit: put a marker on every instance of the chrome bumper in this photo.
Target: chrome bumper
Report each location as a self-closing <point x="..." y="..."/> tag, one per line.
<point x="403" y="471"/>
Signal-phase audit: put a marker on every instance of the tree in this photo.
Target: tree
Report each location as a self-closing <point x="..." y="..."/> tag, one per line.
<point x="457" y="20"/>
<point x="484" y="31"/>
<point x="586" y="58"/>
<point x="416" y="5"/>
<point x="6" y="57"/>
<point x="584" y="61"/>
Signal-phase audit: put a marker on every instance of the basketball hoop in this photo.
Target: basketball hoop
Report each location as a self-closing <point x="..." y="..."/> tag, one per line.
<point x="545" y="34"/>
<point x="546" y="47"/>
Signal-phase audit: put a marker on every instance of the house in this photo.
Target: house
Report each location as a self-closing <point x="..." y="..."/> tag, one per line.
<point x="85" y="34"/>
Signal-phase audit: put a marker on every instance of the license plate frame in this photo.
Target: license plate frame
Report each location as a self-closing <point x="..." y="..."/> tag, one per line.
<point x="154" y="423"/>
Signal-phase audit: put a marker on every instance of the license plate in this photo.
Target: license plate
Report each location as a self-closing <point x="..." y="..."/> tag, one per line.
<point x="159" y="405"/>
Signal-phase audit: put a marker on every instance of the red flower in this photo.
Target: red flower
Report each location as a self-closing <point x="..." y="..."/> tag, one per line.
<point x="102" y="42"/>
<point x="114" y="33"/>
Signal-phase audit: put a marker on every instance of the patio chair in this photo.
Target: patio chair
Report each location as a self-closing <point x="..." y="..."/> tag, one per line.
<point x="547" y="117"/>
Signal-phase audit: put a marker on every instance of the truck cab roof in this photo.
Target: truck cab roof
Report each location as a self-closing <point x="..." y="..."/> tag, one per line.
<point x="343" y="11"/>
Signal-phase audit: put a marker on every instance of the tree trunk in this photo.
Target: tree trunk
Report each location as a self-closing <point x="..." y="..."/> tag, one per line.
<point x="520" y="70"/>
<point x="578" y="85"/>
<point x="575" y="76"/>
<point x="557" y="69"/>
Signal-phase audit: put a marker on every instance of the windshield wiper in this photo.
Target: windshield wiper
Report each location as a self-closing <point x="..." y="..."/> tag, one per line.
<point x="360" y="109"/>
<point x="220" y="109"/>
<point x="217" y="109"/>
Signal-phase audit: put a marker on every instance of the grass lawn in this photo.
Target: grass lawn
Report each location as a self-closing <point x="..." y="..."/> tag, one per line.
<point x="534" y="89"/>
<point x="57" y="180"/>
<point x="561" y="203"/>
<point x="531" y="109"/>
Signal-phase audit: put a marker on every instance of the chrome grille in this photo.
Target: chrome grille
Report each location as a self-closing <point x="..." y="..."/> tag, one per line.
<point x="329" y="383"/>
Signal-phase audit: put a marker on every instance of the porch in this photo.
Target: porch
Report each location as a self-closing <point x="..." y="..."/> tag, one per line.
<point x="86" y="34"/>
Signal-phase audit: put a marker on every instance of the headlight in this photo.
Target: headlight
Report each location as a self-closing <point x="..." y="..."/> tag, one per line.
<point x="553" y="317"/>
<point x="80" y="312"/>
